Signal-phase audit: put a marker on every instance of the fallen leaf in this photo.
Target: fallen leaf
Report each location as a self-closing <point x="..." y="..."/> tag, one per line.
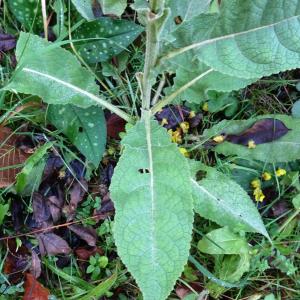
<point x="115" y="125"/>
<point x="17" y="260"/>
<point x="41" y="211"/>
<point x="7" y="42"/>
<point x="77" y="192"/>
<point x="52" y="244"/>
<point x="36" y="268"/>
<point x="262" y="131"/>
<point x="84" y="253"/>
<point x="55" y="205"/>
<point x="34" y="290"/>
<point x="87" y="234"/>
<point x="11" y="158"/>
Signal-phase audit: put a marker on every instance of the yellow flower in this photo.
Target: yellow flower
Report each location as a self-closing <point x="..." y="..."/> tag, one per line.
<point x="280" y="172"/>
<point x="192" y="114"/>
<point x="175" y="136"/>
<point x="255" y="183"/>
<point x="184" y="152"/>
<point x="184" y="126"/>
<point x="251" y="144"/>
<point x="164" y="121"/>
<point x="205" y="106"/>
<point x="219" y="139"/>
<point x="259" y="195"/>
<point x="266" y="176"/>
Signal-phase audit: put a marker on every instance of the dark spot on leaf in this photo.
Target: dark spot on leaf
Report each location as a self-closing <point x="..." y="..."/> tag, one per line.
<point x="261" y="132"/>
<point x="178" y="20"/>
<point x="80" y="129"/>
<point x="144" y="171"/>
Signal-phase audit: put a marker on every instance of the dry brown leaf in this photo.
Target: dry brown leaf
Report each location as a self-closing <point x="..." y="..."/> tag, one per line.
<point x="34" y="290"/>
<point x="11" y="158"/>
<point x="52" y="244"/>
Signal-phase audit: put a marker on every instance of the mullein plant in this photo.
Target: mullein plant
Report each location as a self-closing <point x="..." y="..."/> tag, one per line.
<point x="154" y="187"/>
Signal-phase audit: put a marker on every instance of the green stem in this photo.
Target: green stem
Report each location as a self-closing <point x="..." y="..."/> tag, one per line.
<point x="150" y="61"/>
<point x="171" y="97"/>
<point x="287" y="222"/>
<point x="154" y="5"/>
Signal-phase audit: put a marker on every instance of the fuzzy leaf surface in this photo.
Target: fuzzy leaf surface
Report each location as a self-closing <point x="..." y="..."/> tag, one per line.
<point x="284" y="149"/>
<point x="86" y="128"/>
<point x="50" y="72"/>
<point x="248" y="39"/>
<point x="154" y="211"/>
<point x="105" y="38"/>
<point x="85" y="8"/>
<point x="220" y="199"/>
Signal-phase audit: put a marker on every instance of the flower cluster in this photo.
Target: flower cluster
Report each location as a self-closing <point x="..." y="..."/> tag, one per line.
<point x="256" y="184"/>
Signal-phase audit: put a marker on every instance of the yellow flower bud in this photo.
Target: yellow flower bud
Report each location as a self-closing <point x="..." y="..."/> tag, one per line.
<point x="259" y="195"/>
<point x="184" y="126"/>
<point x="164" y="121"/>
<point x="251" y="144"/>
<point x="255" y="183"/>
<point x="205" y="106"/>
<point x="219" y="138"/>
<point x="184" y="152"/>
<point x="280" y="172"/>
<point x="266" y="176"/>
<point x="192" y="114"/>
<point x="175" y="136"/>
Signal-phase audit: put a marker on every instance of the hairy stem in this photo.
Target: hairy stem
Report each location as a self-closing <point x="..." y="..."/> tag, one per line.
<point x="171" y="97"/>
<point x="150" y="61"/>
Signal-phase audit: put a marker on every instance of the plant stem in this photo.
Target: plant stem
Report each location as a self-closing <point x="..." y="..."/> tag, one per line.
<point x="44" y="13"/>
<point x="154" y="5"/>
<point x="150" y="60"/>
<point x="171" y="97"/>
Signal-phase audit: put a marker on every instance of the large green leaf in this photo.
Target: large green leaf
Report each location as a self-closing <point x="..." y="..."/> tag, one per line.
<point x="28" y="13"/>
<point x="105" y="38"/>
<point x="284" y="149"/>
<point x="51" y="72"/>
<point x="86" y="128"/>
<point x="186" y="67"/>
<point x="220" y="199"/>
<point x="183" y="10"/>
<point x="248" y="39"/>
<point x="154" y="213"/>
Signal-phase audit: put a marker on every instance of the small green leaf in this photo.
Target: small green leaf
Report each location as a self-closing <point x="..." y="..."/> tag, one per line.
<point x="220" y="199"/>
<point x="296" y="202"/>
<point x="105" y="38"/>
<point x="86" y="128"/>
<point x="223" y="241"/>
<point x="284" y="149"/>
<point x="154" y="211"/>
<point x="3" y="211"/>
<point x="27" y="12"/>
<point x="29" y="167"/>
<point x="113" y="7"/>
<point x="51" y="72"/>
<point x="90" y="269"/>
